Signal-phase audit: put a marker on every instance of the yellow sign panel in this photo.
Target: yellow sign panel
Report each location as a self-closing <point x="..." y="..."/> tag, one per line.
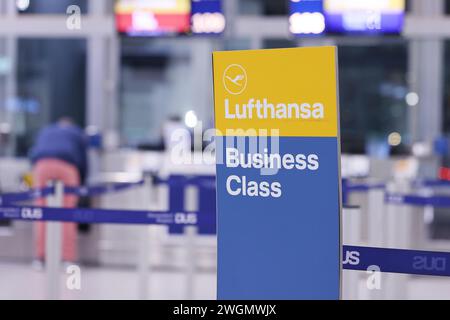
<point x="290" y="90"/>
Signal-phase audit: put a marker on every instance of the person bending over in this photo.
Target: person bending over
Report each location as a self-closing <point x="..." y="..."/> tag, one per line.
<point x="59" y="154"/>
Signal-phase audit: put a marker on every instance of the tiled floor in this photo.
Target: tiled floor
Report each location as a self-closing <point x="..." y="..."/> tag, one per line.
<point x="21" y="281"/>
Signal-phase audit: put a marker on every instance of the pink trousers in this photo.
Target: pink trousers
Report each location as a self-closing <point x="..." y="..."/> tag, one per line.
<point x="47" y="170"/>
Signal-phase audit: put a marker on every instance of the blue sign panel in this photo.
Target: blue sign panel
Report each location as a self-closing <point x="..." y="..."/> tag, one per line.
<point x="278" y="183"/>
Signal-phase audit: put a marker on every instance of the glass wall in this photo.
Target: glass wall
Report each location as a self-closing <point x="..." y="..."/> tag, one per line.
<point x="6" y="83"/>
<point x="263" y="7"/>
<point x="373" y="87"/>
<point x="446" y="87"/>
<point x="51" y="83"/>
<point x="159" y="81"/>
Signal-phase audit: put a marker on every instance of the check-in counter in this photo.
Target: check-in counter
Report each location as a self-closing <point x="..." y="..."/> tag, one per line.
<point x="117" y="244"/>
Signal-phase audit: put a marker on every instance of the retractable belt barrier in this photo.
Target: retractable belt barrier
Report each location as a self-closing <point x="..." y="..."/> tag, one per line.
<point x="11" y="198"/>
<point x="100" y="189"/>
<point x="95" y="216"/>
<point x="360" y="187"/>
<point x="349" y="187"/>
<point x="173" y="219"/>
<point x="415" y="200"/>
<point x="179" y="180"/>
<point x="418" y="200"/>
<point x="397" y="260"/>
<point x="209" y="182"/>
<point x="95" y="190"/>
<point x="180" y="218"/>
<point x="354" y="257"/>
<point x="432" y="183"/>
<point x="172" y="181"/>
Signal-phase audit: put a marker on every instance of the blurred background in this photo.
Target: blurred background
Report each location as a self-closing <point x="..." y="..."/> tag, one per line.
<point x="127" y="70"/>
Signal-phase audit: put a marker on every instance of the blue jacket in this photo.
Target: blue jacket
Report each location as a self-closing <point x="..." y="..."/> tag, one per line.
<point x="63" y="142"/>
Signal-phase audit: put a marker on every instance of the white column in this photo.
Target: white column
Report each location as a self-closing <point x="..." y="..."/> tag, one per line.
<point x="428" y="7"/>
<point x="426" y="62"/>
<point x="102" y="73"/>
<point x="9" y="81"/>
<point x="230" y="8"/>
<point x="10" y="7"/>
<point x="97" y="6"/>
<point x="201" y="57"/>
<point x="103" y="54"/>
<point x="95" y="82"/>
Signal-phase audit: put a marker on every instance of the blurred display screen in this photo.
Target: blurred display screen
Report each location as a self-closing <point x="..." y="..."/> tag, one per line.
<point x="315" y="17"/>
<point x="207" y="17"/>
<point x="368" y="16"/>
<point x="306" y="17"/>
<point x="153" y="17"/>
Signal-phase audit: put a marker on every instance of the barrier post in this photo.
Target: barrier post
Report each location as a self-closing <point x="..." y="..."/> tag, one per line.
<point x="53" y="245"/>
<point x="143" y="259"/>
<point x="376" y="215"/>
<point x="190" y="235"/>
<point x="191" y="203"/>
<point x="143" y="263"/>
<point x="398" y="236"/>
<point x="351" y="229"/>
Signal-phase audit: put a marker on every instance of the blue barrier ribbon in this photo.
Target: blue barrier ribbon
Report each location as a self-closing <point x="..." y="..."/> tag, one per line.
<point x="432" y="183"/>
<point x="206" y="216"/>
<point x="10" y="198"/>
<point x="354" y="257"/>
<point x="81" y="215"/>
<point x="364" y="187"/>
<point x="397" y="260"/>
<point x="205" y="222"/>
<point x="348" y="187"/>
<point x="420" y="201"/>
<point x="179" y="180"/>
<point x="100" y="189"/>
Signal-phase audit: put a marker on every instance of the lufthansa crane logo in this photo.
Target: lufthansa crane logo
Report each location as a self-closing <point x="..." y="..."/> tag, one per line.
<point x="235" y="79"/>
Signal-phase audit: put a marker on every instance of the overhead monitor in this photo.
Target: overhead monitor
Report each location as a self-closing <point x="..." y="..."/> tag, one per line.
<point x="207" y="17"/>
<point x="306" y="17"/>
<point x="153" y="17"/>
